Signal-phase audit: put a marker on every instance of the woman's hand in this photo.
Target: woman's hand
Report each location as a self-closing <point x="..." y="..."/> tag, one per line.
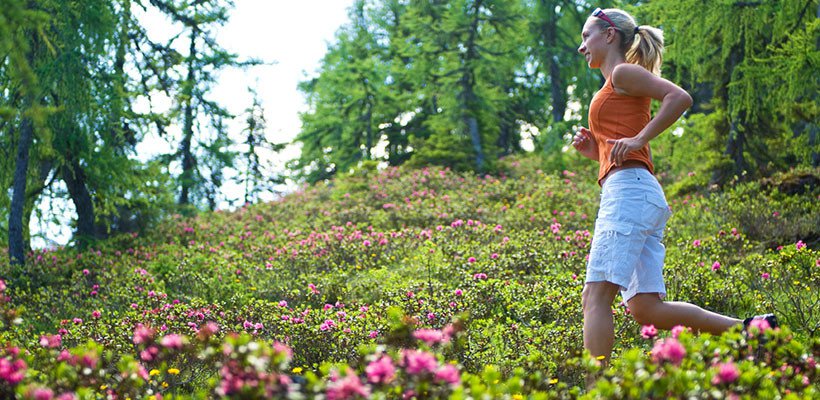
<point x="622" y="147"/>
<point x="585" y="143"/>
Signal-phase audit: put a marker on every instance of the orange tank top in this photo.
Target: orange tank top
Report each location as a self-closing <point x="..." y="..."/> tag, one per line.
<point x="614" y="116"/>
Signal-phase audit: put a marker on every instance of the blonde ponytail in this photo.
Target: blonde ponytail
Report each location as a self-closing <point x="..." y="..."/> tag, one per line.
<point x="647" y="49"/>
<point x="642" y="45"/>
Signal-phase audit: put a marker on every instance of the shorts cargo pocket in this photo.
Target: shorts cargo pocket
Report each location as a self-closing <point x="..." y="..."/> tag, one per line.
<point x="661" y="208"/>
<point x="610" y="253"/>
<point x="606" y="240"/>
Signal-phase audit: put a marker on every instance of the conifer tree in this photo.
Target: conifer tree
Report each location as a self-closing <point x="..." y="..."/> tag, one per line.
<point x="735" y="47"/>
<point x="204" y="145"/>
<point x="347" y="102"/>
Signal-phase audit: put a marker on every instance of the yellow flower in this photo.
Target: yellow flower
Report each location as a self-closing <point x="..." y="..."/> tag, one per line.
<point x="103" y="387"/>
<point x="297" y="370"/>
<point x="154" y="372"/>
<point x="600" y="357"/>
<point x="152" y="397"/>
<point x="164" y="384"/>
<point x="553" y="381"/>
<point x="518" y="397"/>
<point x="173" y="371"/>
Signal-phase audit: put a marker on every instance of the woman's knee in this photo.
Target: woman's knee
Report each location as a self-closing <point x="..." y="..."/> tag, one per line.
<point x="598" y="294"/>
<point x="642" y="305"/>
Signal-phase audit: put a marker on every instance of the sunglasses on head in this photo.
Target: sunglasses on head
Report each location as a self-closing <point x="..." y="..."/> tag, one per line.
<point x="600" y="14"/>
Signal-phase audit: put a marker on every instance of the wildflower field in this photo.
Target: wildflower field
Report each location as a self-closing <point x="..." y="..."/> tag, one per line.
<point x="414" y="283"/>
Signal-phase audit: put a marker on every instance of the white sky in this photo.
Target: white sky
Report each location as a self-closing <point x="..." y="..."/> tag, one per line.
<point x="292" y="33"/>
<point x="295" y="35"/>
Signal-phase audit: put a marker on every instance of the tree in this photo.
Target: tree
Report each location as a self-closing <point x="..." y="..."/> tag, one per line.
<point x="204" y="145"/>
<point x="348" y="102"/>
<point x="256" y="174"/>
<point x="732" y="46"/>
<point x="20" y="42"/>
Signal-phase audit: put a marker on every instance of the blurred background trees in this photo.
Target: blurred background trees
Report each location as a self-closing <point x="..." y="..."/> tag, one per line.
<point x="458" y="83"/>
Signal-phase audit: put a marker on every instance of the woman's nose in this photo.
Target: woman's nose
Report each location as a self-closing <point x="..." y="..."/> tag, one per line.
<point x="582" y="48"/>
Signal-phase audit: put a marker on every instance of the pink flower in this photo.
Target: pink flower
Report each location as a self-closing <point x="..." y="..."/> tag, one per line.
<point x="494" y="256"/>
<point x="40" y="394"/>
<point x="431" y="336"/>
<point x="51" y="341"/>
<point x="471" y="260"/>
<point x="459" y="292"/>
<point x="348" y="387"/>
<point x="207" y="330"/>
<point x="419" y="362"/>
<point x="12" y="371"/>
<point x="765" y="275"/>
<point x="761" y="324"/>
<point x="142" y="334"/>
<point x="283" y="303"/>
<point x="668" y="350"/>
<point x="800" y="245"/>
<point x="281" y="348"/>
<point x="480" y="275"/>
<point x="677" y="329"/>
<point x="172" y="341"/>
<point x="696" y="243"/>
<point x="64" y="356"/>
<point x="381" y="370"/>
<point x="649" y="331"/>
<point x="77" y="321"/>
<point x="727" y="373"/>
<point x="67" y="396"/>
<point x="86" y="272"/>
<point x="448" y="373"/>
<point x="366" y="243"/>
<point x="373" y="334"/>
<point x="95" y="314"/>
<point x="716" y="266"/>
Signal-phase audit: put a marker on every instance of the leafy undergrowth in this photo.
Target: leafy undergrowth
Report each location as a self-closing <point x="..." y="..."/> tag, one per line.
<point x="412" y="283"/>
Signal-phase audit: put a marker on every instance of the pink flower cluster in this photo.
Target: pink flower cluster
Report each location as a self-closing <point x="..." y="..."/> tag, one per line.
<point x="381" y="370"/>
<point x="418" y="362"/>
<point x="649" y="331"/>
<point x="726" y="373"/>
<point x="51" y="341"/>
<point x="172" y="341"/>
<point x="236" y="378"/>
<point x="12" y="369"/>
<point x="348" y="387"/>
<point x="434" y="336"/>
<point x="668" y="350"/>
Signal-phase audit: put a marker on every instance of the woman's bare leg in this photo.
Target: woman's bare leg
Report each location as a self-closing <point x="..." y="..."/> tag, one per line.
<point x="599" y="329"/>
<point x="649" y="309"/>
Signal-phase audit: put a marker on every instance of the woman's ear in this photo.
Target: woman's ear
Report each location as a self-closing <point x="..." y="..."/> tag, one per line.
<point x="611" y="35"/>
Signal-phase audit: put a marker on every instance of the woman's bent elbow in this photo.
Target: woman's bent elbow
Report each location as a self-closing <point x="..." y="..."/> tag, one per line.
<point x="686" y="100"/>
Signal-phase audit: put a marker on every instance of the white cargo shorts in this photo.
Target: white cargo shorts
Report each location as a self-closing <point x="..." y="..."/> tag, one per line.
<point x="626" y="245"/>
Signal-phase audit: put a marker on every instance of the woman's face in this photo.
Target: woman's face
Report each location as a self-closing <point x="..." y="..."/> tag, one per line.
<point x="593" y="43"/>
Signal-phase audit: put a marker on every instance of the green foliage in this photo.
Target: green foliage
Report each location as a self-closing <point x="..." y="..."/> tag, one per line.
<point x="348" y="273"/>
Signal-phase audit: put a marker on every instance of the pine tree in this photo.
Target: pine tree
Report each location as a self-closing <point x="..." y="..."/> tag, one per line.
<point x="733" y="47"/>
<point x="204" y="145"/>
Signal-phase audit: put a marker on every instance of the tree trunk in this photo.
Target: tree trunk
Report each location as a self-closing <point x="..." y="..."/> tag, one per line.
<point x="75" y="180"/>
<point x="468" y="97"/>
<point x="736" y="135"/>
<point x="188" y="161"/>
<point x="17" y="248"/>
<point x="549" y="34"/>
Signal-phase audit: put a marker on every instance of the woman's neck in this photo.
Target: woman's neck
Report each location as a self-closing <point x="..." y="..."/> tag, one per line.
<point x="612" y="60"/>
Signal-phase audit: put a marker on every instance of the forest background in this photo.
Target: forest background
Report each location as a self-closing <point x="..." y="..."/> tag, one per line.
<point x="457" y="83"/>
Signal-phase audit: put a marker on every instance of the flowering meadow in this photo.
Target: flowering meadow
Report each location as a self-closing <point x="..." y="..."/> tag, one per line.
<point x="415" y="283"/>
